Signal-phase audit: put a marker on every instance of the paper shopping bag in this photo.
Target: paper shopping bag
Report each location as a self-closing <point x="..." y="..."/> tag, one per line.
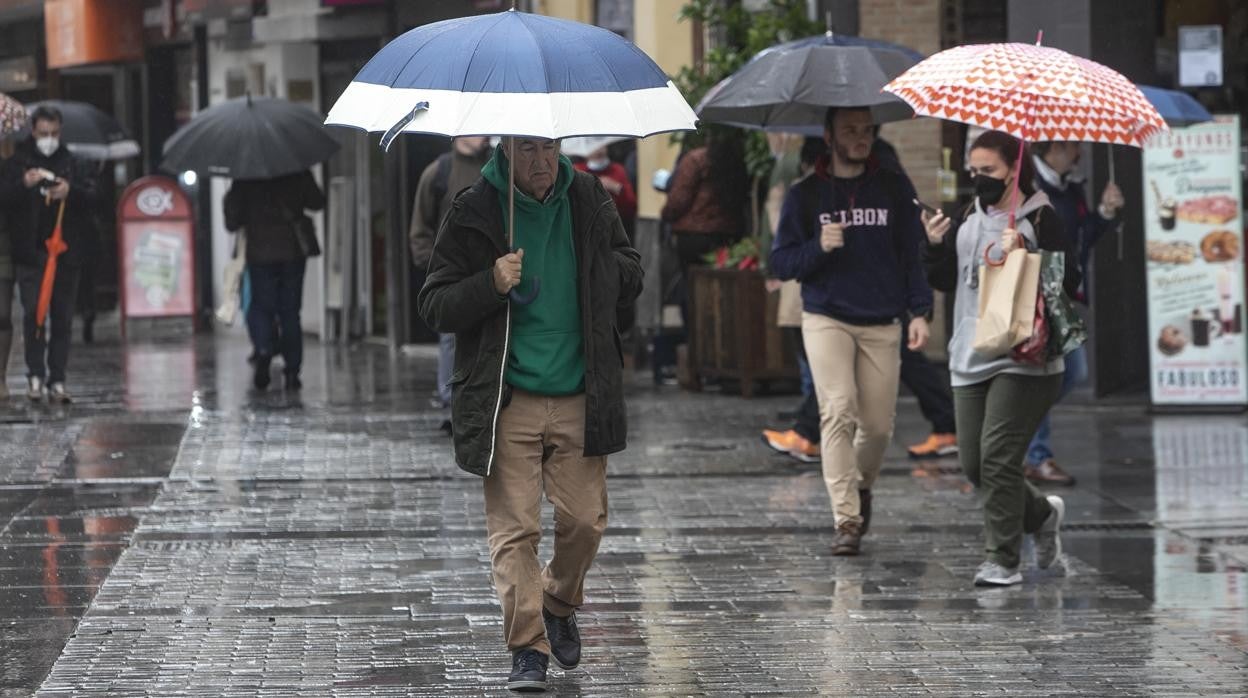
<point x="1007" y="302"/>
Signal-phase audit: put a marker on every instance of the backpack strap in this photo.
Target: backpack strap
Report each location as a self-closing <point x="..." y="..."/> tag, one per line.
<point x="442" y="178"/>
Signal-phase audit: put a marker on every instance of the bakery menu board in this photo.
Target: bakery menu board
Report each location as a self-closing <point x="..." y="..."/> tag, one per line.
<point x="1193" y="212"/>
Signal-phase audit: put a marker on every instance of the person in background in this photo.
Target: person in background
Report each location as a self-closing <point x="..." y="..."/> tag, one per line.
<point x="999" y="401"/>
<point x="87" y="284"/>
<point x="851" y="235"/>
<point x="615" y="180"/>
<point x="1055" y="164"/>
<point x="6" y="280"/>
<point x="801" y="441"/>
<point x="451" y="173"/>
<point x="707" y="201"/>
<point x="40" y="177"/>
<point x="918" y="374"/>
<point x="272" y="211"/>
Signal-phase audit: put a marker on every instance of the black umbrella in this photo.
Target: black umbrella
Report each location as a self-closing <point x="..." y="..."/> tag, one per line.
<point x="250" y="138"/>
<point x="89" y="132"/>
<point x="789" y="87"/>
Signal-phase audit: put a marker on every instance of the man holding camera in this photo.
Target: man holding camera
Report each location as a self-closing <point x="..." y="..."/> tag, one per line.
<point x="40" y="180"/>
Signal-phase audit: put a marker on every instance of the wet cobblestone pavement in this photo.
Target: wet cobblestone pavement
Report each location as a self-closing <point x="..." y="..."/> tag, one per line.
<point x="171" y="534"/>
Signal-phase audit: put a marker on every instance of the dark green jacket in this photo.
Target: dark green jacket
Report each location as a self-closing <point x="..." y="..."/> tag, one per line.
<point x="459" y="297"/>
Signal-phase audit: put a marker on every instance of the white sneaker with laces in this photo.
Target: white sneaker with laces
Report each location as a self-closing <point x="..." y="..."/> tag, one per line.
<point x="990" y="574"/>
<point x="1049" y="537"/>
<point x="34" y="389"/>
<point x="58" y="393"/>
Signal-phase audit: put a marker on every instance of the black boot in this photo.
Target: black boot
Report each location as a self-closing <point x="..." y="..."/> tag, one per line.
<point x="528" y="672"/>
<point x="262" y="377"/>
<point x="565" y="639"/>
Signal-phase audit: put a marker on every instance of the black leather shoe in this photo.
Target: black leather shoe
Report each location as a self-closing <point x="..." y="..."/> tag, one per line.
<point x="262" y="376"/>
<point x="864" y="509"/>
<point x="293" y="382"/>
<point x="528" y="672"/>
<point x="565" y="639"/>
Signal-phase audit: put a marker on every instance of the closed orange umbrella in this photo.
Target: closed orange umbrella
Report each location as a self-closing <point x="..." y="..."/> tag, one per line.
<point x="56" y="245"/>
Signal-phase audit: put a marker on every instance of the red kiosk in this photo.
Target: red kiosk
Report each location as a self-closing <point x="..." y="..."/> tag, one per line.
<point x="156" y="251"/>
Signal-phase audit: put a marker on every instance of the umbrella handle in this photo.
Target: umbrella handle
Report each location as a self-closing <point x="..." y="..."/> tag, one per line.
<point x="1018" y="171"/>
<point x="526" y="298"/>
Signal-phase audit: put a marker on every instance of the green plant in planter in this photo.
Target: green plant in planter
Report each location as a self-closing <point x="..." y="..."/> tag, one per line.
<point x="739" y="35"/>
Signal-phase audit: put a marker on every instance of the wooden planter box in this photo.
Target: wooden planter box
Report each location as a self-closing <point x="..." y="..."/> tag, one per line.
<point x="733" y="333"/>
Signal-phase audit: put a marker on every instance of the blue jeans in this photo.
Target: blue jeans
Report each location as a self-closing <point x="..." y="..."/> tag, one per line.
<point x="1041" y="448"/>
<point x="273" y="315"/>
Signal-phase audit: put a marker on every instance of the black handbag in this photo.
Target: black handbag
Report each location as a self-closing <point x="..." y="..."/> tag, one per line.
<point x="305" y="235"/>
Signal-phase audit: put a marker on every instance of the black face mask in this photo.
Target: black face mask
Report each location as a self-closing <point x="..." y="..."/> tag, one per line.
<point x="989" y="189"/>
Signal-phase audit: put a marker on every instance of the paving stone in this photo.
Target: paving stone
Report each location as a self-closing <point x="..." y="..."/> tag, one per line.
<point x="217" y="542"/>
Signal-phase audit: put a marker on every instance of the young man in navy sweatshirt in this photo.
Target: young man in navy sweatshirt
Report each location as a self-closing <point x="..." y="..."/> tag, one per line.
<point x="852" y="236"/>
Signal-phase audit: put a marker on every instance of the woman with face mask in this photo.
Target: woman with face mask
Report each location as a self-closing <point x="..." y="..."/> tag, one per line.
<point x="999" y="401"/>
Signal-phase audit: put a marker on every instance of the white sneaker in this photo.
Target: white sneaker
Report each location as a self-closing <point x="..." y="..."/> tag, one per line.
<point x="34" y="389"/>
<point x="59" y="394"/>
<point x="1048" y="538"/>
<point x="990" y="574"/>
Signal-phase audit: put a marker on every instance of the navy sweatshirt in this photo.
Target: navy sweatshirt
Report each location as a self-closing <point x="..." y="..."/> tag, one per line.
<point x="878" y="276"/>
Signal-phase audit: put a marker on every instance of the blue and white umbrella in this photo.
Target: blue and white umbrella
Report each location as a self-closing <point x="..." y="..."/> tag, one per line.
<point x="512" y="74"/>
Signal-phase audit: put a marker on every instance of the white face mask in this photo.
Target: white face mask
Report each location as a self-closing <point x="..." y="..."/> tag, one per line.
<point x="598" y="165"/>
<point x="48" y="145"/>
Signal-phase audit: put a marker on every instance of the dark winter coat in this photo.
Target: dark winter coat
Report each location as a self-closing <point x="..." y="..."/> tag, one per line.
<point x="693" y="205"/>
<point x="269" y="210"/>
<point x="459" y="297"/>
<point x="31" y="220"/>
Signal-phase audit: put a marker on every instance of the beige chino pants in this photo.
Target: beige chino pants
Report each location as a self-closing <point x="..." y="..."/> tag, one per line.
<point x="540" y="446"/>
<point x="856" y="370"/>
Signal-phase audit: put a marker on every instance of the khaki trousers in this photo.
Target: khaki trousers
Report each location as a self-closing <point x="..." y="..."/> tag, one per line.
<point x="856" y="370"/>
<point x="540" y="447"/>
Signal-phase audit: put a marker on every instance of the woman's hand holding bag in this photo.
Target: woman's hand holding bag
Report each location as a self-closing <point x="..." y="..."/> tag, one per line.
<point x="1007" y="298"/>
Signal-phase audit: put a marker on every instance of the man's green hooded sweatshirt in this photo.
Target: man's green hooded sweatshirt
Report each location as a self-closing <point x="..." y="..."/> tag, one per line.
<point x="546" y="354"/>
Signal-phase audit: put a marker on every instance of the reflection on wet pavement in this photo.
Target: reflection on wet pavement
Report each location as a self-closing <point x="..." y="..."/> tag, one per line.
<point x="175" y="534"/>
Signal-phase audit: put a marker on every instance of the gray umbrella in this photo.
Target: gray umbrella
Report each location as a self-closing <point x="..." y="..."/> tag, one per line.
<point x="89" y="132"/>
<point x="789" y="87"/>
<point x="248" y="138"/>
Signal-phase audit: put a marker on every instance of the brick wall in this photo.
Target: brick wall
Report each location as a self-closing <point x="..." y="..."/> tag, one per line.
<point x="917" y="25"/>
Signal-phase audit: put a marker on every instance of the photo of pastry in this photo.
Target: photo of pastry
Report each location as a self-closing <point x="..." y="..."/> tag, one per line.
<point x="1215" y="210"/>
<point x="1220" y="246"/>
<point x="1172" y="340"/>
<point x="1171" y="252"/>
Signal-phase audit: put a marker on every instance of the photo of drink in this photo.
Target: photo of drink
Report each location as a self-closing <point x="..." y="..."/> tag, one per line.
<point x="1203" y="329"/>
<point x="1166" y="208"/>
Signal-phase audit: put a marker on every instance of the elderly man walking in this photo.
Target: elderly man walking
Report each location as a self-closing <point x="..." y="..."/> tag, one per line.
<point x="537" y="388"/>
